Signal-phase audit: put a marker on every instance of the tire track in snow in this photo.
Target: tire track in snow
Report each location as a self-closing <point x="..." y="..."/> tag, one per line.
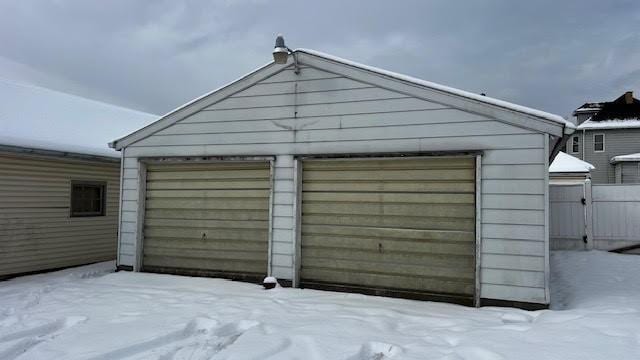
<point x="201" y="338"/>
<point x="27" y="339"/>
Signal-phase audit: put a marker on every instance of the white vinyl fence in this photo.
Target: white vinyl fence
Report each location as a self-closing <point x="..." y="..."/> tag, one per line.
<point x="603" y="216"/>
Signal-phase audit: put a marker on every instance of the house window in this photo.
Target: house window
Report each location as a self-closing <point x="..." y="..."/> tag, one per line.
<point x="598" y="142"/>
<point x="87" y="198"/>
<point x="575" y="145"/>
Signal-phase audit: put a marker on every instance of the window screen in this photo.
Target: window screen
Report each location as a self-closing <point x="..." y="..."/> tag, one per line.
<point x="87" y="199"/>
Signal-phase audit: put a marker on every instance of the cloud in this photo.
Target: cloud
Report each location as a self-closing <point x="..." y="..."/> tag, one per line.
<point x="156" y="55"/>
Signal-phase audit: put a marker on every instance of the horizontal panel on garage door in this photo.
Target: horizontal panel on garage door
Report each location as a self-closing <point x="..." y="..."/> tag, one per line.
<point x="207" y="219"/>
<point x="406" y="225"/>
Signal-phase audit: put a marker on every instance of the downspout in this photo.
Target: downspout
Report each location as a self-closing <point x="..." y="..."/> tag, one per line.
<point x="566" y="134"/>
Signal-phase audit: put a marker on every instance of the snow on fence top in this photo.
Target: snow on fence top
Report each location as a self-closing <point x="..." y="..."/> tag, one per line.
<point x="565" y="163"/>
<point x="38" y="118"/>
<point x="446" y="89"/>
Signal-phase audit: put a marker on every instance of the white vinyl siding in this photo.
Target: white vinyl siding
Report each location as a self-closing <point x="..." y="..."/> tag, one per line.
<point x="332" y="114"/>
<point x="36" y="230"/>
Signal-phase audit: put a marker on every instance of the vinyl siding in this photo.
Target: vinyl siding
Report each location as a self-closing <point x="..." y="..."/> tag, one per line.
<point x="630" y="172"/>
<point x="617" y="142"/>
<point x="36" y="231"/>
<point x="330" y="114"/>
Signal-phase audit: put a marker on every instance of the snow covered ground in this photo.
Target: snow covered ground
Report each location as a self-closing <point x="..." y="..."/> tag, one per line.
<point x="92" y="313"/>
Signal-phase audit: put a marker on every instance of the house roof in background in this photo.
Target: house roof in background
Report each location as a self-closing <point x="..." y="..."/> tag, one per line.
<point x="37" y="118"/>
<point x="609" y="124"/>
<point x="629" y="157"/>
<point x="565" y="163"/>
<point x="621" y="113"/>
<point x="588" y="108"/>
<point x="619" y="109"/>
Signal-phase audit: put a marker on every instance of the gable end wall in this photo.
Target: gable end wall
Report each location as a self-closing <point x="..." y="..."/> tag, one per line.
<point x="319" y="112"/>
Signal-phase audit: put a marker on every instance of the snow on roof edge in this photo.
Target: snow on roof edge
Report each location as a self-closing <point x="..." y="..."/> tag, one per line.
<point x="485" y="99"/>
<point x="628" y="157"/>
<point x="610" y="124"/>
<point x="565" y="163"/>
<point x="113" y="143"/>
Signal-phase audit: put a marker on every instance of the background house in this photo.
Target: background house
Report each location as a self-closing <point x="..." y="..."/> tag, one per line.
<point x="606" y="131"/>
<point x="331" y="174"/>
<point x="59" y="182"/>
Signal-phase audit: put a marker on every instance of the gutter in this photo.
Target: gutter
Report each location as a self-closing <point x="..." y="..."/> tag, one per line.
<point x="566" y="134"/>
<point x="57" y="153"/>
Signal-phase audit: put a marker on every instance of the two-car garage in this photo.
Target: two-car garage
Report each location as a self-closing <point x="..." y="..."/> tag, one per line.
<point x="330" y="174"/>
<point x="396" y="226"/>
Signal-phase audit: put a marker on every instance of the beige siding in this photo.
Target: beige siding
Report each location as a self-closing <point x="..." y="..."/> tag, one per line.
<point x="36" y="231"/>
<point x="380" y="121"/>
<point x="207" y="217"/>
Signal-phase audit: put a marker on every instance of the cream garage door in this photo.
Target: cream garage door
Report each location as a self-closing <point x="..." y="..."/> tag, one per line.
<point x="208" y="219"/>
<point x="390" y="226"/>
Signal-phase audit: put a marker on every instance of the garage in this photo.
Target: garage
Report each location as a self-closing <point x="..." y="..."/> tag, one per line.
<point x="399" y="226"/>
<point x="207" y="219"/>
<point x="380" y="183"/>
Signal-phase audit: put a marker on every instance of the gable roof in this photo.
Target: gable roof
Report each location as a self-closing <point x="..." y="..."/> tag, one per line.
<point x="497" y="109"/>
<point x="619" y="109"/>
<point x="617" y="114"/>
<point x="565" y="163"/>
<point x="36" y="118"/>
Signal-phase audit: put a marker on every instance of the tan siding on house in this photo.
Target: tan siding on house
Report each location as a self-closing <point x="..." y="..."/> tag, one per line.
<point x="36" y="231"/>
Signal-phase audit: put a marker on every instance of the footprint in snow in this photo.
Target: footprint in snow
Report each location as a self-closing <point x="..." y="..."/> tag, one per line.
<point x="477" y="353"/>
<point x="515" y="318"/>
<point x="377" y="351"/>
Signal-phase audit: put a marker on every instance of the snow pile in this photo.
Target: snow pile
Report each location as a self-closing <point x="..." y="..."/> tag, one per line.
<point x="38" y="118"/>
<point x="78" y="314"/>
<point x="564" y="163"/>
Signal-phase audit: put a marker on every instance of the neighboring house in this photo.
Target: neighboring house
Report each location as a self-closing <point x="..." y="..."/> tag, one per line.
<point x="606" y="131"/>
<point x="627" y="168"/>
<point x="568" y="170"/>
<point x="335" y="175"/>
<point x="59" y="182"/>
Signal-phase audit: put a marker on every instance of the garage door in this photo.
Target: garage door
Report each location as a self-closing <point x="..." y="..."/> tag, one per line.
<point x="395" y="226"/>
<point x="207" y="219"/>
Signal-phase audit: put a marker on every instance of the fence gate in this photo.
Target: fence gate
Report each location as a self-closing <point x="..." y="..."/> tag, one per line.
<point x="568" y="212"/>
<point x="603" y="216"/>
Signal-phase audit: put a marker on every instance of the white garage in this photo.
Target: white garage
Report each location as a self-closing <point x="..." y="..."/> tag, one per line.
<point x="331" y="174"/>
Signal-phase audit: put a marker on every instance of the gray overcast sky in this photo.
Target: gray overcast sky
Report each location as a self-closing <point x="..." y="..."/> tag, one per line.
<point x="156" y="55"/>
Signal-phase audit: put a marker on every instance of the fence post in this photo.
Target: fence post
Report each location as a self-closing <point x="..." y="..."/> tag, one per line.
<point x="588" y="215"/>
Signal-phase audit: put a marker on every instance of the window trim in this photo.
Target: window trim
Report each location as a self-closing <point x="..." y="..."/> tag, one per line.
<point x="103" y="209"/>
<point x="571" y="145"/>
<point x="603" y="142"/>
